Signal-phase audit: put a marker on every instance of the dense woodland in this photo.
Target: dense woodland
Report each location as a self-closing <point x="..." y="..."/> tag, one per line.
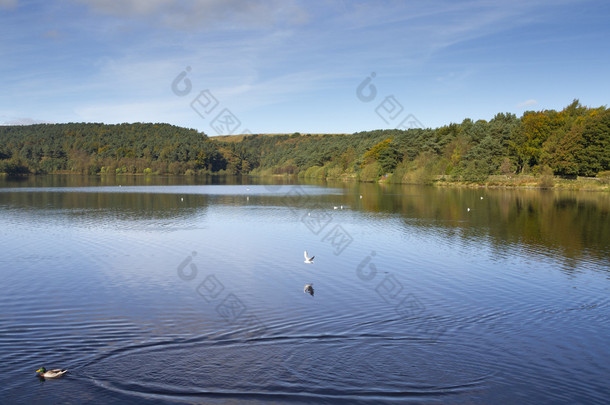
<point x="106" y="149"/>
<point x="572" y="142"/>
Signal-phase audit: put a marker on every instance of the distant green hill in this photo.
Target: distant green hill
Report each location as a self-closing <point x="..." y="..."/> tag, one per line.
<point x="101" y="148"/>
<point x="573" y="141"/>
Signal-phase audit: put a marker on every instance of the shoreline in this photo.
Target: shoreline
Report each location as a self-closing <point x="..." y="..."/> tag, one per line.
<point x="526" y="182"/>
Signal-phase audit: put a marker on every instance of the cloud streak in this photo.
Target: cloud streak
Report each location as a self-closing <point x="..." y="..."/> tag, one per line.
<point x="527" y="103"/>
<point x="285" y="65"/>
<point x="202" y="15"/>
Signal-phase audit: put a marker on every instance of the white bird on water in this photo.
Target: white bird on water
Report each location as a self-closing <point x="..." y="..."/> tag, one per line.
<point x="307" y="258"/>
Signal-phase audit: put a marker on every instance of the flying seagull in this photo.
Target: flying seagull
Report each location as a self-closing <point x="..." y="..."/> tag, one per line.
<point x="307" y="258"/>
<point x="308" y="289"/>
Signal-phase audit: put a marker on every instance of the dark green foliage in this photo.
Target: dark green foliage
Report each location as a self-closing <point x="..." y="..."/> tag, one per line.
<point x="13" y="167"/>
<point x="571" y="142"/>
<point x="574" y="141"/>
<point x="94" y="148"/>
<point x="593" y="156"/>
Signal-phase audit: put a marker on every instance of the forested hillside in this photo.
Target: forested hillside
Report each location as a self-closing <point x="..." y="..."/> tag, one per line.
<point x="107" y="149"/>
<point x="573" y="141"/>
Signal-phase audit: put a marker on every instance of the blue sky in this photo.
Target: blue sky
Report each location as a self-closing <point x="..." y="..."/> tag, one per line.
<point x="295" y="65"/>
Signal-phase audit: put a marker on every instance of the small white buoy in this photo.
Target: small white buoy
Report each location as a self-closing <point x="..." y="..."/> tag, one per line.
<point x="342" y="207"/>
<point x="336" y="207"/>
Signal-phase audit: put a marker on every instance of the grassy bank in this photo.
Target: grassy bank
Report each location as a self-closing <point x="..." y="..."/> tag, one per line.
<point x="524" y="181"/>
<point x="499" y="181"/>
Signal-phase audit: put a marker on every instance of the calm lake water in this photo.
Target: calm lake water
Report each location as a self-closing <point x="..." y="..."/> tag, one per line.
<point x="184" y="290"/>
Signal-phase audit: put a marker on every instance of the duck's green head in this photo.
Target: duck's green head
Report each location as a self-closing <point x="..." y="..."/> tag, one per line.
<point x="41" y="370"/>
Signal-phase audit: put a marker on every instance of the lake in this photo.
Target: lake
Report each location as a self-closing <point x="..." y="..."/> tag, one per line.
<point x="191" y="290"/>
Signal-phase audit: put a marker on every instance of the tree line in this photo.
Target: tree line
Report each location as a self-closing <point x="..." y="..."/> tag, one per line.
<point x="572" y="142"/>
<point x="92" y="148"/>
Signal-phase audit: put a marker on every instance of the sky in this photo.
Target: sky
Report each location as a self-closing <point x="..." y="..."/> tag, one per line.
<point x="284" y="66"/>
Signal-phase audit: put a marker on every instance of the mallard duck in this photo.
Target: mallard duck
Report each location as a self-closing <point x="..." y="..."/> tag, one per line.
<point x="44" y="373"/>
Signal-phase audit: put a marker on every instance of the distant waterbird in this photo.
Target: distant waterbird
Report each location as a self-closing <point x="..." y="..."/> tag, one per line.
<point x="307" y="258"/>
<point x="308" y="289"/>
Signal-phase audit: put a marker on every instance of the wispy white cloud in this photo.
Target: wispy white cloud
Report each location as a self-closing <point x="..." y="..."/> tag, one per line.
<point x="527" y="103"/>
<point x="127" y="8"/>
<point x="104" y="61"/>
<point x="205" y="14"/>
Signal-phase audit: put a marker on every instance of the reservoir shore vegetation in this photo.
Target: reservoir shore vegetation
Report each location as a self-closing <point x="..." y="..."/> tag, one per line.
<point x="544" y="149"/>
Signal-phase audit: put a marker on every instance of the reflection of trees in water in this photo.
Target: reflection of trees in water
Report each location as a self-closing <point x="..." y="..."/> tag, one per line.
<point x="573" y="225"/>
<point x="570" y="224"/>
<point x="108" y="205"/>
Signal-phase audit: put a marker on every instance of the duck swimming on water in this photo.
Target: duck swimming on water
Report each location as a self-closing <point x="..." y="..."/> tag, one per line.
<point x="44" y="373"/>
